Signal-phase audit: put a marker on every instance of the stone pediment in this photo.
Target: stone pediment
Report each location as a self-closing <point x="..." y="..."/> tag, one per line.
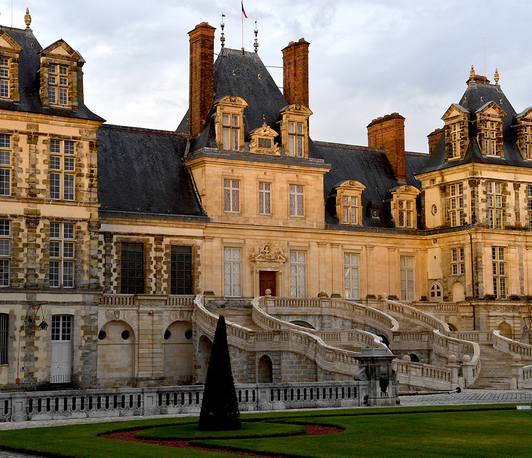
<point x="453" y="111"/>
<point x="262" y="141"/>
<point x="231" y="100"/>
<point x="492" y="109"/>
<point x="60" y="49"/>
<point x="351" y="185"/>
<point x="297" y="109"/>
<point x="7" y="44"/>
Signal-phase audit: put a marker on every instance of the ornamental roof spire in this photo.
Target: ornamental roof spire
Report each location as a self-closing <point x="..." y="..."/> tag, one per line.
<point x="27" y="18"/>
<point x="496" y="76"/>
<point x="472" y="72"/>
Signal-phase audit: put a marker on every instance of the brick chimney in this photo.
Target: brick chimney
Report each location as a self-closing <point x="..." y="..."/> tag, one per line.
<point x="388" y="133"/>
<point x="434" y="138"/>
<point x="201" y="76"/>
<point x="295" y="72"/>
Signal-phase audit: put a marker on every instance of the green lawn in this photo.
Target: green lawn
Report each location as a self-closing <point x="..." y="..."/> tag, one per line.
<point x="464" y="431"/>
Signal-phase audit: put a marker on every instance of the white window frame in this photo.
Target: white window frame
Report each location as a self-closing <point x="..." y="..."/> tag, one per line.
<point x="232" y="272"/>
<point x="298" y="281"/>
<point x="456" y="205"/>
<point x="350" y="209"/>
<point x="296" y="139"/>
<point x="58" y="87"/>
<point x="351" y="276"/>
<point x="406" y="212"/>
<point x="62" y="169"/>
<point x="5" y="253"/>
<point x="435" y="291"/>
<point x="498" y="260"/>
<point x="494" y="200"/>
<point x="265" y="198"/>
<point x="457" y="261"/>
<point x="231" y="195"/>
<point x="407" y="265"/>
<point x="4" y="78"/>
<point x="62" y="254"/>
<point x="5" y="165"/>
<point x="297" y="200"/>
<point x="231" y="131"/>
<point x="456" y="133"/>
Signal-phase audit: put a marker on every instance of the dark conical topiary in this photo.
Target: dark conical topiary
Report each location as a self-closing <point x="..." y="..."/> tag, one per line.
<point x="219" y="408"/>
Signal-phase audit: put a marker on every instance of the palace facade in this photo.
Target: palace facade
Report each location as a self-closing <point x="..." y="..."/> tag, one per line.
<point x="109" y="233"/>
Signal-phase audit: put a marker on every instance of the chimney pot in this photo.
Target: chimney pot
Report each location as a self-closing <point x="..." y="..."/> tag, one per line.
<point x="295" y="73"/>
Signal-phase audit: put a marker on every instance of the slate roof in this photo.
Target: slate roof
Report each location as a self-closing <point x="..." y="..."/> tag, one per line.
<point x="29" y="62"/>
<point x="142" y="171"/>
<point x="371" y="167"/>
<point x="476" y="96"/>
<point x="243" y="74"/>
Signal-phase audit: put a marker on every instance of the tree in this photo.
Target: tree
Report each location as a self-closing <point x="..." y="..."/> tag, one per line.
<point x="219" y="408"/>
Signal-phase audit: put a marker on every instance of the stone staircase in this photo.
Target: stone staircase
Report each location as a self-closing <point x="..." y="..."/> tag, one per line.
<point x="240" y="316"/>
<point x="495" y="372"/>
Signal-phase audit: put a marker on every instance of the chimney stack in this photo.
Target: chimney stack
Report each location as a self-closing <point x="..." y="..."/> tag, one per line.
<point x="295" y="72"/>
<point x="388" y="133"/>
<point x="434" y="138"/>
<point x="201" y="76"/>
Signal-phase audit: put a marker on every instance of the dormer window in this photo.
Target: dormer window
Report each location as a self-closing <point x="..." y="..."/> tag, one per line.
<point x="349" y="202"/>
<point x="58" y="85"/>
<point x="294" y="130"/>
<point x="404" y="206"/>
<point x="262" y="141"/>
<point x="59" y="75"/>
<point x="456" y="131"/>
<point x="489" y="129"/>
<point x="4" y="78"/>
<point x="524" y="133"/>
<point x="229" y="124"/>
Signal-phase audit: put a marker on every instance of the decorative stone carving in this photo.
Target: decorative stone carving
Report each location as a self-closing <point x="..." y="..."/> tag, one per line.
<point x="262" y="141"/>
<point x="268" y="255"/>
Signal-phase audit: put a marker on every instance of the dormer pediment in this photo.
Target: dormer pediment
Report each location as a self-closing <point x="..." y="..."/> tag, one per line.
<point x="492" y="110"/>
<point x="453" y="111"/>
<point x="405" y="190"/>
<point x="525" y="115"/>
<point x="296" y="109"/>
<point x="7" y="44"/>
<point x="350" y="185"/>
<point x="231" y="101"/>
<point x="262" y="141"/>
<point x="60" y="50"/>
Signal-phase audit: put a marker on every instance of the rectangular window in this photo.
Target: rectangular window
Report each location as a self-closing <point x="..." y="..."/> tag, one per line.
<point x="61" y="267"/>
<point x="232" y="272"/>
<point x="298" y="281"/>
<point x="4" y="78"/>
<point x="530" y="207"/>
<point x="61" y="327"/>
<point x="457" y="261"/>
<point x="406" y="213"/>
<point x="5" y="252"/>
<point x="456" y="205"/>
<point x="296" y="200"/>
<point x="230" y="132"/>
<point x="494" y="203"/>
<point x="498" y="258"/>
<point x="350" y="207"/>
<point x="62" y="170"/>
<point x="181" y="270"/>
<point x="58" y="85"/>
<point x="407" y="278"/>
<point x="5" y="165"/>
<point x="489" y="142"/>
<point x="351" y="280"/>
<point x="231" y="196"/>
<point x="295" y="139"/>
<point x="456" y="137"/>
<point x="264" y="198"/>
<point x="132" y="268"/>
<point x="4" y="337"/>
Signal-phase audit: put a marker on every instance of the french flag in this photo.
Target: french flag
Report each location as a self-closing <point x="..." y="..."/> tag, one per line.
<point x="243" y="10"/>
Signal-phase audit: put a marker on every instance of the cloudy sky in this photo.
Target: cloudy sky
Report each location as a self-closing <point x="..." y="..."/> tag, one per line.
<point x="368" y="58"/>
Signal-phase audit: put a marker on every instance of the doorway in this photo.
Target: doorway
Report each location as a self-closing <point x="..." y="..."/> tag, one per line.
<point x="61" y="364"/>
<point x="267" y="280"/>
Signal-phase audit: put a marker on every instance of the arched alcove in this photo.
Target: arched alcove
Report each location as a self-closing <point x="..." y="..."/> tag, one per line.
<point x="265" y="374"/>
<point x="116" y="351"/>
<point x="505" y="329"/>
<point x="203" y="356"/>
<point x="178" y="352"/>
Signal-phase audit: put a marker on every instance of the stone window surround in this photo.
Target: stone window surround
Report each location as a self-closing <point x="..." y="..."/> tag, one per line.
<point x="295" y="114"/>
<point x="230" y="106"/>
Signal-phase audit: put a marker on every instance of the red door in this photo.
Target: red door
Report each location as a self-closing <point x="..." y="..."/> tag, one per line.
<point x="267" y="280"/>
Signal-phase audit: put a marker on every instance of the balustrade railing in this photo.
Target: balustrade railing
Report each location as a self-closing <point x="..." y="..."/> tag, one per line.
<point x="414" y="315"/>
<point x="511" y="346"/>
<point x="55" y="405"/>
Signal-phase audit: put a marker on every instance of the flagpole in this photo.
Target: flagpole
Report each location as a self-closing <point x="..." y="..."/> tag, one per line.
<point x="242" y="14"/>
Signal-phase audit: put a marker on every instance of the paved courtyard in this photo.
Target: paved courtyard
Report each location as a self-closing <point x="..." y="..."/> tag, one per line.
<point x="463" y="398"/>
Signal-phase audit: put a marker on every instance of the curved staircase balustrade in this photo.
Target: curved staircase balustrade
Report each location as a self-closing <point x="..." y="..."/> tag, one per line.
<point x="510" y="346"/>
<point x="291" y="340"/>
<point x="351" y="336"/>
<point x="416" y="316"/>
<point x="446" y="346"/>
<point x="480" y="337"/>
<point x="424" y="375"/>
<point x="353" y="311"/>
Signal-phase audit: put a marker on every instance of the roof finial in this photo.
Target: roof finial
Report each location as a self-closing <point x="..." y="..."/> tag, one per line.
<point x="256" y="45"/>
<point x="472" y="72"/>
<point x="496" y="76"/>
<point x="27" y="18"/>
<point x="222" y="36"/>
